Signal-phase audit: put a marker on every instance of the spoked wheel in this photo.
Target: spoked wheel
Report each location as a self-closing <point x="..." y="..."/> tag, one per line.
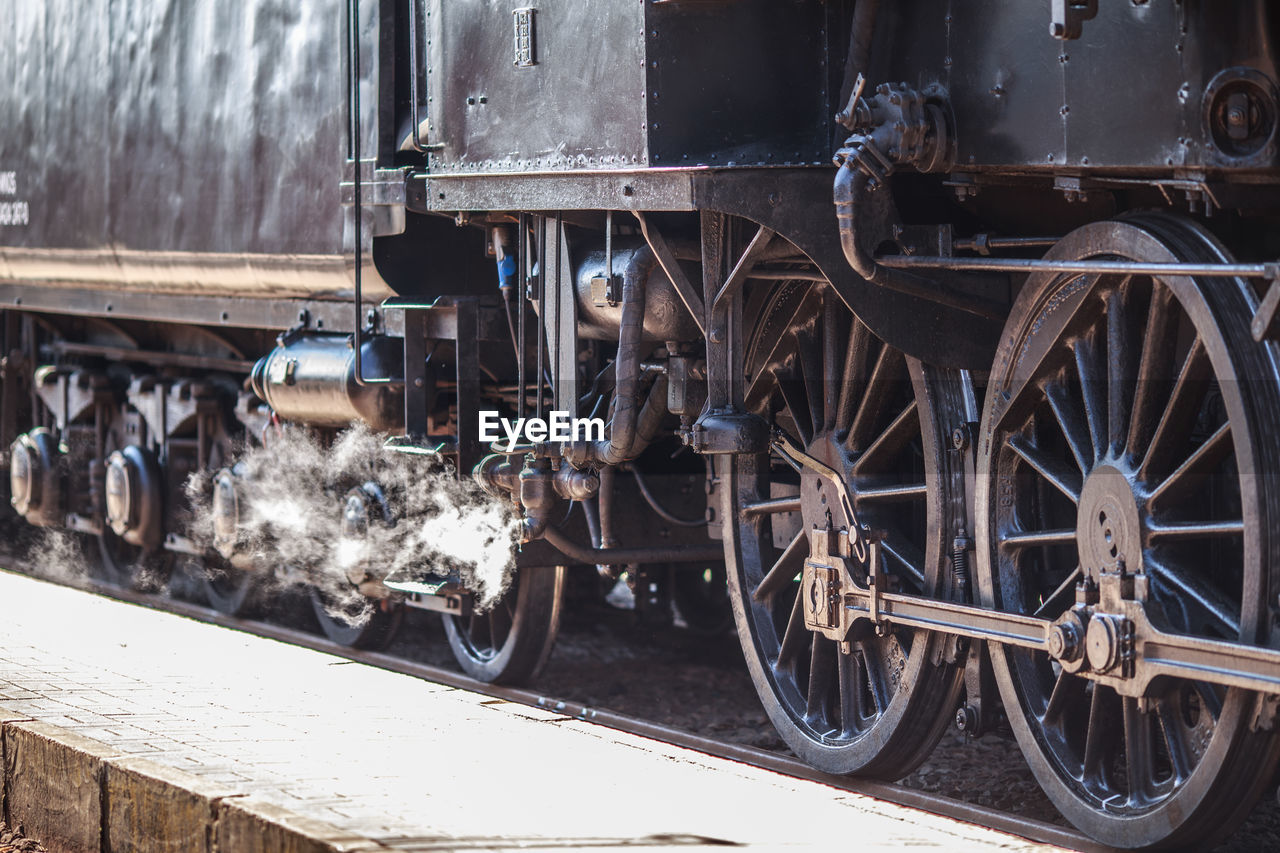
<point x="511" y="642"/>
<point x="878" y="705"/>
<point x="1130" y="426"/>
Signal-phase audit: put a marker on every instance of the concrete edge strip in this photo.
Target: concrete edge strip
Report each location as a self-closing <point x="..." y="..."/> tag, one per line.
<point x="77" y="794"/>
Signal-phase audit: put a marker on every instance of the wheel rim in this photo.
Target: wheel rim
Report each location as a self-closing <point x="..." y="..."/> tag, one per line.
<point x="481" y="636"/>
<point x="878" y="706"/>
<point x="351" y="619"/>
<point x="511" y="642"/>
<point x="1115" y="434"/>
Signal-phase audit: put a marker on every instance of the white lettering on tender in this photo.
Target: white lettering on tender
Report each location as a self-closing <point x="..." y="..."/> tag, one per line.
<point x="8" y="183"/>
<point x="14" y="213"/>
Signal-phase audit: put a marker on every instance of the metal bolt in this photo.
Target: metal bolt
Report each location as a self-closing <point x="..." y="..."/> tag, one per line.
<point x="967" y="719"/>
<point x="960" y="438"/>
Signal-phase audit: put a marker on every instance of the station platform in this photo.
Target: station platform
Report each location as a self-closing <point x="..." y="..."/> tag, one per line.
<point x="126" y="728"/>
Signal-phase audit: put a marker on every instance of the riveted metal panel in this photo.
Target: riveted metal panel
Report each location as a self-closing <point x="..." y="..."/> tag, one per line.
<point x="579" y="103"/>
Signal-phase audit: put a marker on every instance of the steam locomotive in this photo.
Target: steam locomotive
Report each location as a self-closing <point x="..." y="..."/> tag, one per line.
<point x="950" y="328"/>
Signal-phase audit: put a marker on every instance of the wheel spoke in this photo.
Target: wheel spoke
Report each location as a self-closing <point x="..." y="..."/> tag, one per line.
<point x="771" y="506"/>
<point x="1099" y="734"/>
<point x="500" y="621"/>
<point x="1064" y="593"/>
<point x="1218" y="613"/>
<point x="906" y="554"/>
<point x="794" y="636"/>
<point x="1119" y="364"/>
<point x="1091" y="387"/>
<point x="895" y="436"/>
<point x="1139" y="761"/>
<point x="1062" y="478"/>
<point x="1195" y="530"/>
<point x="888" y="370"/>
<point x="1068" y="690"/>
<point x="1038" y="539"/>
<point x="830" y="354"/>
<point x="891" y="494"/>
<point x="1075" y="431"/>
<point x="851" y="385"/>
<point x="810" y="358"/>
<point x="877" y="680"/>
<point x="793" y="398"/>
<point x="849" y="672"/>
<point x="1198" y="466"/>
<point x="1157" y="356"/>
<point x="784" y="571"/>
<point x="1180" y="412"/>
<point x="764" y="379"/>
<point x="821" y="670"/>
<point x="1175" y="739"/>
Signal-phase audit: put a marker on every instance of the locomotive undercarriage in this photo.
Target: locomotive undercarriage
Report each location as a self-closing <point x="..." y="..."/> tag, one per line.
<point x="1098" y="522"/>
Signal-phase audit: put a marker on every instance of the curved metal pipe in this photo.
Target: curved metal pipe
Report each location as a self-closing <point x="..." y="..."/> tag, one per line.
<point x="649" y="423"/>
<point x="617" y="556"/>
<point x="622" y="434"/>
<point x="850" y="192"/>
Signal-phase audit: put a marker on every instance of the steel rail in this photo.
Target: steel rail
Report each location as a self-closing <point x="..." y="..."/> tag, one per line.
<point x="948" y="807"/>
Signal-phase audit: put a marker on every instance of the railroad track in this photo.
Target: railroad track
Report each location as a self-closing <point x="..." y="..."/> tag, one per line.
<point x="1029" y="828"/>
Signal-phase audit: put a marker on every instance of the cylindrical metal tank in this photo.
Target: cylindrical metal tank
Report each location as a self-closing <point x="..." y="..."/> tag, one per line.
<point x="311" y="379"/>
<point x="600" y="303"/>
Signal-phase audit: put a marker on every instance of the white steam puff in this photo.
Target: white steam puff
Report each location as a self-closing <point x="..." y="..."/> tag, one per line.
<point x="291" y="495"/>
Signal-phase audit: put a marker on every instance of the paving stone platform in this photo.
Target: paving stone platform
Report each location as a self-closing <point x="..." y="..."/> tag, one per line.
<point x="176" y="735"/>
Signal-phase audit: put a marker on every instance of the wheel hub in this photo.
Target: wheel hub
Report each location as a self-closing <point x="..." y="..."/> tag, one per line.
<point x="1109" y="523"/>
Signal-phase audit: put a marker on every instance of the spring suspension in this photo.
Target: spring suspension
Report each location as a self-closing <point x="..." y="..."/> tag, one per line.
<point x="960" y="547"/>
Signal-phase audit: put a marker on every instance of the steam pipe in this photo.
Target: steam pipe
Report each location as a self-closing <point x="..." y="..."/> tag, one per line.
<point x="608" y="478"/>
<point x="622" y="434"/>
<point x="617" y="556"/>
<point x="850" y="191"/>
<point x="650" y="421"/>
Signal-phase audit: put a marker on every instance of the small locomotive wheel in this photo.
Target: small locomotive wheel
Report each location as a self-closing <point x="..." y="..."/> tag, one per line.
<point x="511" y="642"/>
<point x="878" y="706"/>
<point x="346" y="615"/>
<point x="1130" y="427"/>
<point x="357" y="623"/>
<point x="121" y="563"/>
<point x="228" y="589"/>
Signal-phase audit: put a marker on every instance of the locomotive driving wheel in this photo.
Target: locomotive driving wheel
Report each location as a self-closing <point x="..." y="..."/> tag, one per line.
<point x="511" y="641"/>
<point x="1129" y="431"/>
<point x="876" y="704"/>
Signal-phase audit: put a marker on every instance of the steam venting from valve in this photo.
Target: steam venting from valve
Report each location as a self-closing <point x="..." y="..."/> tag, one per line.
<point x="289" y="503"/>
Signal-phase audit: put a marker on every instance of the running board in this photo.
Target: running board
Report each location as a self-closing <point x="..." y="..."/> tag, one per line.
<point x="437" y="594"/>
